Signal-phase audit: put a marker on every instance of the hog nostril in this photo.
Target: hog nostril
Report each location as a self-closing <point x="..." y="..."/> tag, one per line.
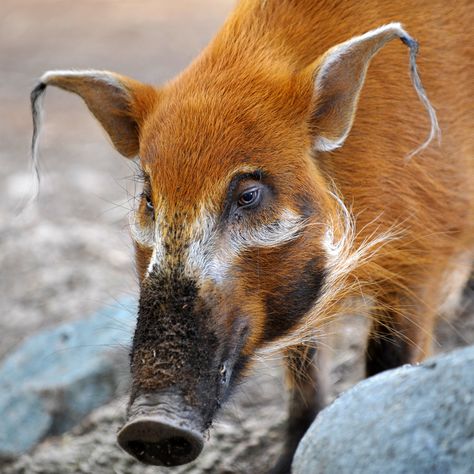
<point x="169" y="452"/>
<point x="137" y="448"/>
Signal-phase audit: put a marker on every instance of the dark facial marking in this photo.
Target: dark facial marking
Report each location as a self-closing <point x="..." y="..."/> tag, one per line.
<point x="175" y="343"/>
<point x="305" y="205"/>
<point x="291" y="301"/>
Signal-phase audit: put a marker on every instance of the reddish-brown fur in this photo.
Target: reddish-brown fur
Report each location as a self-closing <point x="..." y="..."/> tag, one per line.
<point x="253" y="62"/>
<point x="247" y="101"/>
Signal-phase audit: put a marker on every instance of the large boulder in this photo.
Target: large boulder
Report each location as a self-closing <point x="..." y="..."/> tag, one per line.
<point x="414" y="419"/>
<point x="60" y="375"/>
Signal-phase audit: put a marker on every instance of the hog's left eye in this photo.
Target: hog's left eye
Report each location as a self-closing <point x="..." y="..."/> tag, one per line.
<point x="249" y="198"/>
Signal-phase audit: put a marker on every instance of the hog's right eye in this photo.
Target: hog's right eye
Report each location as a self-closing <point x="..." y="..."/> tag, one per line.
<point x="148" y="202"/>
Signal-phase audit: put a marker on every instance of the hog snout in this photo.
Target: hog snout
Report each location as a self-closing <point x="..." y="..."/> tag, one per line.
<point x="162" y="430"/>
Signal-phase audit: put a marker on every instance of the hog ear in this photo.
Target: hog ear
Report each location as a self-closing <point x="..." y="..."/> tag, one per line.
<point x="120" y="104"/>
<point x="338" y="77"/>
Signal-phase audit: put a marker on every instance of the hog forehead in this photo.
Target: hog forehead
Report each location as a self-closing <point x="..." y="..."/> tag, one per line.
<point x="195" y="138"/>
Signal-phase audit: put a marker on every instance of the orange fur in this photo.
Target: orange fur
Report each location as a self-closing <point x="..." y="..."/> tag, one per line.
<point x="378" y="224"/>
<point x="246" y="101"/>
<point x="244" y="97"/>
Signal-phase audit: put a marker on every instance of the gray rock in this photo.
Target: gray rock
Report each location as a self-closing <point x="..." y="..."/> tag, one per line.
<point x="245" y="438"/>
<point x="415" y="419"/>
<point x="60" y="375"/>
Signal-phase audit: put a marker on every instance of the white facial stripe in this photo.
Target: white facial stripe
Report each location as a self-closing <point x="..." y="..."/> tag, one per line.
<point x="142" y="235"/>
<point x="149" y="237"/>
<point x="203" y="246"/>
<point x="210" y="254"/>
<point x="277" y="233"/>
<point x="158" y="254"/>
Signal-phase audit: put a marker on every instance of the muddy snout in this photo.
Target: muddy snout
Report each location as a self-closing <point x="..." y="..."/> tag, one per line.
<point x="161" y="430"/>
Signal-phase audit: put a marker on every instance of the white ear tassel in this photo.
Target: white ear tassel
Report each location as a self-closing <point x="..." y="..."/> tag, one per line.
<point x="391" y="31"/>
<point x="420" y="90"/>
<point x="37" y="95"/>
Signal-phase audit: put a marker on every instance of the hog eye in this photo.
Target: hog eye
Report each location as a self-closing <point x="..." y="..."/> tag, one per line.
<point x="148" y="202"/>
<point x="249" y="198"/>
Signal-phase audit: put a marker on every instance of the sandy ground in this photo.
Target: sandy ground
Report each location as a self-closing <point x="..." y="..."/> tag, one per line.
<point x="70" y="253"/>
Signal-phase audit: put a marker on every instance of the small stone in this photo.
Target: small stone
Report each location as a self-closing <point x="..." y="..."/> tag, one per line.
<point x="60" y="375"/>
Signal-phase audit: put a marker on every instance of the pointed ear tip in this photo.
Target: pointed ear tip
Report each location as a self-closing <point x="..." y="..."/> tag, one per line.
<point x="51" y="74"/>
<point x="403" y="34"/>
<point x="395" y="24"/>
<point x="47" y="78"/>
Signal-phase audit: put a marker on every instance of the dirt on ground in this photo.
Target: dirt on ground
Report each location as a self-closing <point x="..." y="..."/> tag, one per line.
<point x="69" y="253"/>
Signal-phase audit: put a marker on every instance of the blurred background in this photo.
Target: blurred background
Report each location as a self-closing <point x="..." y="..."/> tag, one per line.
<point x="69" y="255"/>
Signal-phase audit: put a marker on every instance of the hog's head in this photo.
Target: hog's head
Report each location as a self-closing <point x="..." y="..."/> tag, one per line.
<point x="234" y="233"/>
